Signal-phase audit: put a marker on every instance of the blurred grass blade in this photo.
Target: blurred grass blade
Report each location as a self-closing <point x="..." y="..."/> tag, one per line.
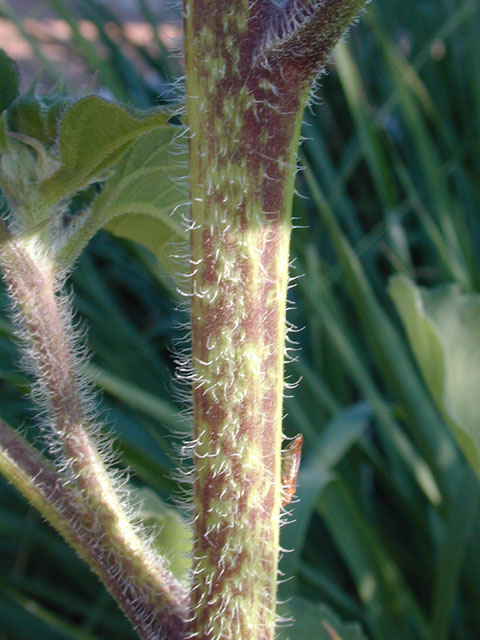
<point x="372" y="149"/>
<point x="7" y="13"/>
<point x="89" y="53"/>
<point x="331" y="445"/>
<point x="451" y="554"/>
<point x="344" y="346"/>
<point x="390" y="607"/>
<point x="450" y="218"/>
<point x="38" y="618"/>
<point x="389" y="351"/>
<point x="328" y="589"/>
<point x="137" y="398"/>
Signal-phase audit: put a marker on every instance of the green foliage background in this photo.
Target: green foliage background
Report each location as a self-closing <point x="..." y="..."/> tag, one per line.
<point x="386" y="527"/>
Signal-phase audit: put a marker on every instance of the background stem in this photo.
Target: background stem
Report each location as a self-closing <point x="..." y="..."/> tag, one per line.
<point x="148" y="593"/>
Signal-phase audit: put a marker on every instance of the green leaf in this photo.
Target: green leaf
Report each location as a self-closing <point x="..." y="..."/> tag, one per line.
<point x="154" y="233"/>
<point x="94" y="134"/>
<point x="173" y="536"/>
<point x="147" y="188"/>
<point x="313" y="621"/>
<point x="143" y="197"/>
<point x="25" y="116"/>
<point x="38" y="117"/>
<point x="9" y="81"/>
<point x="443" y="326"/>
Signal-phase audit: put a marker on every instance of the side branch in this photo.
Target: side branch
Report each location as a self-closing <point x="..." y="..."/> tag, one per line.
<point x="305" y="32"/>
<point x="33" y="476"/>
<point x="136" y="575"/>
<point x="40" y="483"/>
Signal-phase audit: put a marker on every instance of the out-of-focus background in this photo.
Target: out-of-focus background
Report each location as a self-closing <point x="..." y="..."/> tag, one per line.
<point x="387" y="526"/>
<point x="81" y="41"/>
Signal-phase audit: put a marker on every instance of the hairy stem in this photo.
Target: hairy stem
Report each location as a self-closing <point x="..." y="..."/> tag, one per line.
<point x="244" y="106"/>
<point x="44" y="488"/>
<point x="242" y="165"/>
<point x="34" y="477"/>
<point x="150" y="596"/>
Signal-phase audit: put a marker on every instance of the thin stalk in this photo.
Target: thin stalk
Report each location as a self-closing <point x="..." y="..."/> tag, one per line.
<point x="40" y="483"/>
<point x="34" y="477"/>
<point x="150" y="596"/>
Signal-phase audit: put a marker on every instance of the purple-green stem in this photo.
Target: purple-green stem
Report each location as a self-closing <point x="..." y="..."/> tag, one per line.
<point x="249" y="69"/>
<point x="84" y="505"/>
<point x="141" y="596"/>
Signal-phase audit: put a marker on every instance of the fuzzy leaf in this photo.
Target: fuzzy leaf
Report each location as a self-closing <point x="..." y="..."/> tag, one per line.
<point x="94" y="134"/>
<point x="146" y="188"/>
<point x="25" y="116"/>
<point x="9" y="81"/>
<point x="38" y="117"/>
<point x="313" y="621"/>
<point x="443" y="326"/>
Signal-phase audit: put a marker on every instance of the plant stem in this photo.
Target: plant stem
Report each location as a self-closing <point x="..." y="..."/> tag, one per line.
<point x="241" y="181"/>
<point x="249" y="68"/>
<point x="147" y="592"/>
<point x="34" y="477"/>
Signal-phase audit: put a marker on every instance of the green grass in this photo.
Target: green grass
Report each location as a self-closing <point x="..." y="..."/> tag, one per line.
<point x="386" y="526"/>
